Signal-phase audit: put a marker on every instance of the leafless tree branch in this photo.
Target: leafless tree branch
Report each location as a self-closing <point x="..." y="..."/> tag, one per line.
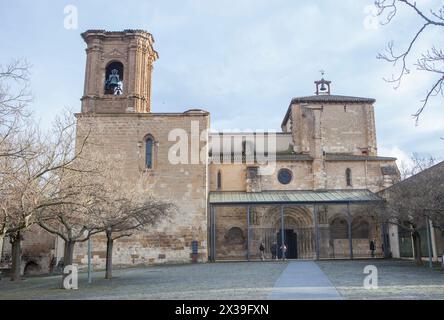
<point x="432" y="61"/>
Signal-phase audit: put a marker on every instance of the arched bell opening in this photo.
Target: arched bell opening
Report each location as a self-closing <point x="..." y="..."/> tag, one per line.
<point x="114" y="78"/>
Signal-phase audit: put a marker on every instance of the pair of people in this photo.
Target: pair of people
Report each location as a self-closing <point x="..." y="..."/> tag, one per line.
<point x="274" y="251"/>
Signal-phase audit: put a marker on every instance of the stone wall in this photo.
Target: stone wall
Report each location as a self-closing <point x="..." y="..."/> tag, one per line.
<point x="364" y="174"/>
<point x="348" y="128"/>
<point x="231" y="233"/>
<point x="122" y="137"/>
<point x="38" y="251"/>
<point x="344" y="127"/>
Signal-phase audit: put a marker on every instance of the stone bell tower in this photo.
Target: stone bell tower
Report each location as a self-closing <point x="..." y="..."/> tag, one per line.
<point x="118" y="71"/>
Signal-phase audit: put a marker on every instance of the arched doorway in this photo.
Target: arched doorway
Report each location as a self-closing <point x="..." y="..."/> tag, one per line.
<point x="298" y="231"/>
<point x="291" y="241"/>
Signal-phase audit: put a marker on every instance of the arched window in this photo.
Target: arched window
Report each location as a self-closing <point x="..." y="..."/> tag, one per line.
<point x="360" y="229"/>
<point x="219" y="180"/>
<point x="114" y="78"/>
<point x="339" y="228"/>
<point x="149" y="152"/>
<point x="348" y="177"/>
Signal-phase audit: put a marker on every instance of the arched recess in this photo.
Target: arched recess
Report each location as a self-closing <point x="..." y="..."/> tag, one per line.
<point x="31" y="268"/>
<point x="235" y="235"/>
<point x="299" y="233"/>
<point x="113" y="82"/>
<point x="338" y="228"/>
<point x="360" y="228"/>
<point x="295" y="217"/>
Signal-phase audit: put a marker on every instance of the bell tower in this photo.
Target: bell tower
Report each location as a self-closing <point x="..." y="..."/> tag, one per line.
<point x="118" y="71"/>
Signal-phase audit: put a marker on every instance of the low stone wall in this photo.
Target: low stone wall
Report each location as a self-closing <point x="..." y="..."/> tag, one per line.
<point x="361" y="248"/>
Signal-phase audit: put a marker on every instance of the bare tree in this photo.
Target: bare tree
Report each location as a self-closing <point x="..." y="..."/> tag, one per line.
<point x="14" y="99"/>
<point x="123" y="206"/>
<point x="413" y="202"/>
<point x="416" y="164"/>
<point x="70" y="218"/>
<point x="432" y="60"/>
<point x="402" y="209"/>
<point x="29" y="180"/>
<point x="122" y="217"/>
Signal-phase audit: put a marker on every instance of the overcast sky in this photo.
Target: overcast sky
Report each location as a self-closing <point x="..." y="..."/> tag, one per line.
<point x="241" y="60"/>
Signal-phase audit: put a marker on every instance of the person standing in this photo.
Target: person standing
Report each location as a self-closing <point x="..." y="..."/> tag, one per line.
<point x="262" y="250"/>
<point x="372" y="248"/>
<point x="284" y="251"/>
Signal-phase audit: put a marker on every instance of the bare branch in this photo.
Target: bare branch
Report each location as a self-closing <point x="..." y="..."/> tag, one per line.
<point x="432" y="61"/>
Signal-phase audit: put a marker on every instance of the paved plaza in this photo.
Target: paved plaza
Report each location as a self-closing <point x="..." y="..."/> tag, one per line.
<point x="303" y="280"/>
<point x="397" y="279"/>
<point x="242" y="280"/>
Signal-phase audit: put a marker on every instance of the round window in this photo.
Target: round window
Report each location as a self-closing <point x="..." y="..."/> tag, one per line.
<point x="284" y="176"/>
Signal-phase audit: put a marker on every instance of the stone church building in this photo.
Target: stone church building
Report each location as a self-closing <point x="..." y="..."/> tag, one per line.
<point x="309" y="186"/>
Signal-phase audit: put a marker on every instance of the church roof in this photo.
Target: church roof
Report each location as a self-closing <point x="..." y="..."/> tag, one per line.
<point x="293" y="197"/>
<point x="325" y="98"/>
<point x="351" y="157"/>
<point x="331" y="98"/>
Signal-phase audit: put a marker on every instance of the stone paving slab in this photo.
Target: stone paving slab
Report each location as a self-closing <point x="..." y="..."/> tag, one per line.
<point x="397" y="279"/>
<point x="231" y="281"/>
<point x="303" y="280"/>
<point x="243" y="280"/>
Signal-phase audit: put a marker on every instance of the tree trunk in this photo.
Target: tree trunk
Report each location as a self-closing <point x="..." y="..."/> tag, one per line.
<point x="69" y="253"/>
<point x="16" y="257"/>
<point x="417" y="245"/>
<point x="67" y="258"/>
<point x="1" y="245"/>
<point x="109" y="256"/>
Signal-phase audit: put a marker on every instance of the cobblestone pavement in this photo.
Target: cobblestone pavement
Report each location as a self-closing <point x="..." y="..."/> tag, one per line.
<point x="231" y="280"/>
<point x="228" y="280"/>
<point x="397" y="279"/>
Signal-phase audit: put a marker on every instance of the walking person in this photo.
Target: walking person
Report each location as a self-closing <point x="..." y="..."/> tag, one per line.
<point x="262" y="250"/>
<point x="372" y="248"/>
<point x="284" y="251"/>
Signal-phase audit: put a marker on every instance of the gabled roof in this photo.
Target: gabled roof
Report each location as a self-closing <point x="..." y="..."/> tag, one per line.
<point x="435" y="172"/>
<point x="327" y="98"/>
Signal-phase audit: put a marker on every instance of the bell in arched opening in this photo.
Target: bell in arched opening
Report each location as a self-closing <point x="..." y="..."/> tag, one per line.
<point x="114" y="78"/>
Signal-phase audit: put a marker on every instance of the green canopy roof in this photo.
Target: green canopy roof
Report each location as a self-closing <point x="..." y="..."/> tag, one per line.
<point x="293" y="197"/>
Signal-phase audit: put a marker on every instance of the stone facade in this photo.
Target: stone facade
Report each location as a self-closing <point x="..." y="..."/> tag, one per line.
<point x="122" y="137"/>
<point x="327" y="142"/>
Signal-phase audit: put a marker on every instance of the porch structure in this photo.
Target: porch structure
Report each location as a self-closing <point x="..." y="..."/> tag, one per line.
<point x="313" y="224"/>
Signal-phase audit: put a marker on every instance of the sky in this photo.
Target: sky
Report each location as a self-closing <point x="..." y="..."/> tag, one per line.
<point x="241" y="60"/>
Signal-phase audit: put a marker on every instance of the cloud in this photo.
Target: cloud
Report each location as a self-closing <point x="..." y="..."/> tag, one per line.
<point x="402" y="157"/>
<point x="242" y="60"/>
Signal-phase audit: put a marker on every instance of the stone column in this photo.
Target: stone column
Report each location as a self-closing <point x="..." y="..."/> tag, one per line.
<point x="349" y="222"/>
